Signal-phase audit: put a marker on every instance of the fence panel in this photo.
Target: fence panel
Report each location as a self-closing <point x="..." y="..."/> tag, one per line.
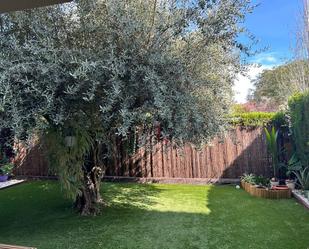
<point x="239" y="151"/>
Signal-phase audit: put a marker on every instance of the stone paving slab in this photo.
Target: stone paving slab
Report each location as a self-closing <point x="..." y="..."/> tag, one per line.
<point x="2" y="246"/>
<point x="10" y="183"/>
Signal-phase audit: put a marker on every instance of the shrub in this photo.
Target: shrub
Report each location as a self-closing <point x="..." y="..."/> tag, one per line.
<point x="255" y="180"/>
<point x="301" y="172"/>
<point x="253" y="119"/>
<point x="261" y="180"/>
<point x="258" y="119"/>
<point x="299" y="122"/>
<point x="249" y="178"/>
<point x="279" y="120"/>
<point x="239" y="108"/>
<point x="6" y="166"/>
<point x="6" y="169"/>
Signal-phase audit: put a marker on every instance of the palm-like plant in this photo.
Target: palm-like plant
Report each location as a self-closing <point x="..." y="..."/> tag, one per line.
<point x="303" y="177"/>
<point x="300" y="171"/>
<point x="271" y="138"/>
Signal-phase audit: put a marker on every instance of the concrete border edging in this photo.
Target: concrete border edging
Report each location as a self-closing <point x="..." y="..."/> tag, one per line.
<point x="196" y="181"/>
<point x="301" y="199"/>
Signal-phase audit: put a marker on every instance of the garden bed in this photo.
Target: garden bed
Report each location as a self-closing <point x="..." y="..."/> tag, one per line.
<point x="266" y="193"/>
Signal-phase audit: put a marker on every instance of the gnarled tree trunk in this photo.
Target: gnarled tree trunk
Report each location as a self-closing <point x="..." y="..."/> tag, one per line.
<point x="89" y="200"/>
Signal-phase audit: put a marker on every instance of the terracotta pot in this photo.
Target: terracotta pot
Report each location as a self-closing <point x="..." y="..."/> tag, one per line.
<point x="281" y="187"/>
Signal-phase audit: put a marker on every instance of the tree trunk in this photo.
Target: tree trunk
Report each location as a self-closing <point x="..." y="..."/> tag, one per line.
<point x="89" y="201"/>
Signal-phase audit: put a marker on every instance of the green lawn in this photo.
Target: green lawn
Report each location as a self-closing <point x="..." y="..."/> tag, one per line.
<point x="152" y="216"/>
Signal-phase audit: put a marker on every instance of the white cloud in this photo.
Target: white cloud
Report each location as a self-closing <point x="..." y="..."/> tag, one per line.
<point x="244" y="83"/>
<point x="266" y="58"/>
<point x="269" y="59"/>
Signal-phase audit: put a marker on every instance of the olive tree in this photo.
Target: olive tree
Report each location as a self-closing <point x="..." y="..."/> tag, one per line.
<point x="93" y="70"/>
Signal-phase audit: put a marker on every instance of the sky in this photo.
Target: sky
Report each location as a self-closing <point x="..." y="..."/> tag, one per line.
<point x="273" y="23"/>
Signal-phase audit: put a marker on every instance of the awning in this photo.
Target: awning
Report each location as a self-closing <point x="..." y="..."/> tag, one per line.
<point x="13" y="5"/>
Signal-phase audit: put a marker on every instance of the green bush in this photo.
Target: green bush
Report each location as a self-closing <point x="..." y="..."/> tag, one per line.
<point x="258" y="119"/>
<point x="248" y="178"/>
<point x="261" y="180"/>
<point x="295" y="167"/>
<point x="279" y="120"/>
<point x="299" y="125"/>
<point x="254" y="119"/>
<point x="255" y="180"/>
<point x="6" y="169"/>
<point x="238" y="108"/>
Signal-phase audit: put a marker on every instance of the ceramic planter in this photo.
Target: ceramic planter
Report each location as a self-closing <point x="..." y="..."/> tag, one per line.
<point x="290" y="184"/>
<point x="4" y="178"/>
<point x="274" y="183"/>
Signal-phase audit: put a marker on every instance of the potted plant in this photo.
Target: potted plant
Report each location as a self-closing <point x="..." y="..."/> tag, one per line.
<point x="290" y="183"/>
<point x="5" y="171"/>
<point x="292" y="165"/>
<point x="271" y="138"/>
<point x="274" y="182"/>
<point x="300" y="171"/>
<point x="6" y="166"/>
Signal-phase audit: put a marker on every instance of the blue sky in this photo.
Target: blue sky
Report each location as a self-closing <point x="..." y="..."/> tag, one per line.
<point x="273" y="23"/>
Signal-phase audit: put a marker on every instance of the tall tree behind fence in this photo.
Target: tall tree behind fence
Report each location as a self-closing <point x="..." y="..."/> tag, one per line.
<point x="239" y="151"/>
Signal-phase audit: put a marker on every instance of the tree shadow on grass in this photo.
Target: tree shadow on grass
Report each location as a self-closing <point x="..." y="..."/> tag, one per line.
<point x="41" y="204"/>
<point x="35" y="214"/>
<point x="130" y="195"/>
<point x="42" y="196"/>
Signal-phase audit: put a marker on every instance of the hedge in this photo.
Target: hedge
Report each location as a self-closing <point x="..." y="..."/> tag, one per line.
<point x="256" y="119"/>
<point x="299" y="124"/>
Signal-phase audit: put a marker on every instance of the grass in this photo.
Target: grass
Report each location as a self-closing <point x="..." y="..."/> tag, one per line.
<point x="152" y="216"/>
